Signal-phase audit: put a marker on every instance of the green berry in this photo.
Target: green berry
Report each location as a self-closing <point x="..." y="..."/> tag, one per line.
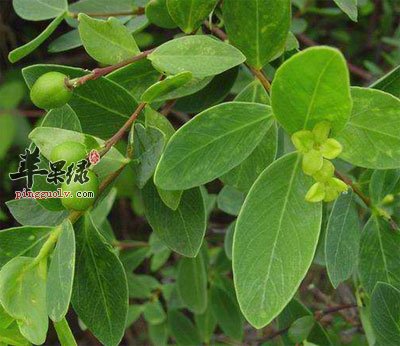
<point x="321" y="131"/>
<point x="50" y="91"/>
<point x="312" y="162"/>
<point x="325" y="173"/>
<point x="331" y="148"/>
<point x="316" y="193"/>
<point x="388" y="199"/>
<point x="303" y="140"/>
<point x="76" y="203"/>
<point x="70" y="152"/>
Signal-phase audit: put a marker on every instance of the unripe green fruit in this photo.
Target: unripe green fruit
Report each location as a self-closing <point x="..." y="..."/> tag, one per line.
<point x="80" y="204"/>
<point x="70" y="152"/>
<point x="49" y="91"/>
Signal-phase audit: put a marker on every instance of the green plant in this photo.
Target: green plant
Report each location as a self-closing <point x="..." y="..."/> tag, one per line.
<point x="282" y="150"/>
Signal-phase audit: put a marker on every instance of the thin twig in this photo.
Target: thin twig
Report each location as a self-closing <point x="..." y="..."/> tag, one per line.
<point x="120" y="133"/>
<point x="137" y="11"/>
<point x="99" y="72"/>
<point x="358" y="71"/>
<point x="318" y="315"/>
<point x="354" y="187"/>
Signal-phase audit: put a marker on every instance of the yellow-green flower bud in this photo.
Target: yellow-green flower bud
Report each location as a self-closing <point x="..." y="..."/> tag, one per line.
<point x="388" y="199"/>
<point x="303" y="140"/>
<point x="340" y="185"/>
<point x="325" y="173"/>
<point x="331" y="148"/>
<point x="321" y="131"/>
<point x="316" y="193"/>
<point x="330" y="193"/>
<point x="312" y="162"/>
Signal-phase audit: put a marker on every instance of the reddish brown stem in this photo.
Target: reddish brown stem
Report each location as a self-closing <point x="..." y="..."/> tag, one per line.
<point x="358" y="71"/>
<point x="354" y="187"/>
<point x="120" y="133"/>
<point x="99" y="72"/>
<point x="33" y="113"/>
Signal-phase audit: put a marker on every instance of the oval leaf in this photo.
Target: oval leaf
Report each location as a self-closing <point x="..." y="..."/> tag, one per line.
<point x="275" y="239"/>
<point x="258" y="28"/>
<point x="38" y="9"/>
<point x="182" y="229"/>
<point x="379" y="260"/>
<point x="371" y="138"/>
<point x="310" y="87"/>
<point x="100" y="292"/>
<point x="61" y="274"/>
<point x="211" y="144"/>
<point x="342" y="240"/>
<point x="192" y="283"/>
<point x="190" y="14"/>
<point x="106" y="41"/>
<point x="200" y="54"/>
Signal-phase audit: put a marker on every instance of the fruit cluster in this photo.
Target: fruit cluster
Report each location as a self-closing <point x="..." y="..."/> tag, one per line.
<point x="318" y="149"/>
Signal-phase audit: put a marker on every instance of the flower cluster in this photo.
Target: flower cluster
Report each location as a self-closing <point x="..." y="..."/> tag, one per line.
<point x="318" y="149"/>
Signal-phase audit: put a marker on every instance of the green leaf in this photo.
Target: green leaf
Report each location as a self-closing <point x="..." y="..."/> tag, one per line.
<point x="26" y="49"/>
<point x="226" y="312"/>
<point x="170" y="198"/>
<point x="136" y="77"/>
<point x="206" y="323"/>
<point x="157" y="13"/>
<point x="183" y="329"/>
<point x="349" y="7"/>
<point x="67" y="41"/>
<point x="254" y="92"/>
<point x="158" y="334"/>
<point x="210" y="94"/>
<point x="182" y="229"/>
<point x="154" y="313"/>
<point x="230" y="200"/>
<point x="160" y="90"/>
<point x="63" y="117"/>
<point x="378" y="260"/>
<point x="29" y="212"/>
<point x="23" y="296"/>
<point x="21" y="241"/>
<point x="292" y="312"/>
<point x="155" y="119"/>
<point x="12" y="336"/>
<point x="383" y="183"/>
<point x="228" y="240"/>
<point x="385" y="314"/>
<point x="39" y="10"/>
<point x="107" y="113"/>
<point x="258" y="28"/>
<point x="190" y="14"/>
<point x="374" y="125"/>
<point x="389" y="83"/>
<point x="132" y="258"/>
<point x="46" y="138"/>
<point x="134" y="312"/>
<point x="244" y="175"/>
<point x="141" y="286"/>
<point x="211" y="144"/>
<point x="201" y="55"/>
<point x="64" y="333"/>
<point x="148" y="144"/>
<point x="192" y="283"/>
<point x="310" y="87"/>
<point x="301" y="328"/>
<point x="61" y="274"/>
<point x="342" y="239"/>
<point x="100" y="293"/>
<point x="106" y="41"/>
<point x="275" y="221"/>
